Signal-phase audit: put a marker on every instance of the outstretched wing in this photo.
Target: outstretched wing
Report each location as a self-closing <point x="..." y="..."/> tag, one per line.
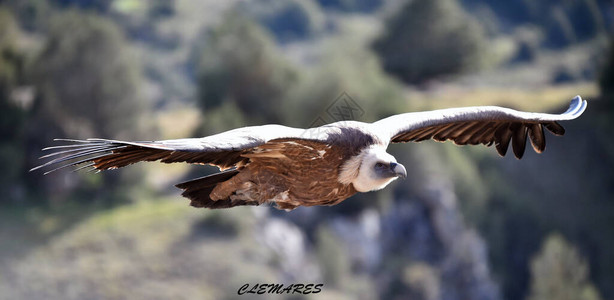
<point x="479" y="125"/>
<point x="223" y="150"/>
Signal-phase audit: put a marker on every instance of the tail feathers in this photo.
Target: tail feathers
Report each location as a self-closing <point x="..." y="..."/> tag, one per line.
<point x="198" y="191"/>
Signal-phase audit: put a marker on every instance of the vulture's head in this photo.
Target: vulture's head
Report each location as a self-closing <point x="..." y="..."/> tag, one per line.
<point x="371" y="170"/>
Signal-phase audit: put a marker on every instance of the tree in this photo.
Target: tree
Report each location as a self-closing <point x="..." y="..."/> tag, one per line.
<point x="428" y="39"/>
<point x="87" y="86"/>
<point x="559" y="272"/>
<point x="239" y="67"/>
<point x="88" y="82"/>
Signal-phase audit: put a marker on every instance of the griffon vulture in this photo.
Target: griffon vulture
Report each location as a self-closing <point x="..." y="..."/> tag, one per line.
<point x="292" y="167"/>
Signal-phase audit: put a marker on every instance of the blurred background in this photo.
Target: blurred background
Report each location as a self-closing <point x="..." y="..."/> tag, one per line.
<point x="466" y="224"/>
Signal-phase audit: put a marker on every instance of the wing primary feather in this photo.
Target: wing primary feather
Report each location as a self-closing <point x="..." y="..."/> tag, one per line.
<point x="576" y="106"/>
<point x="536" y="136"/>
<point x="412" y="135"/>
<point x="72" y="146"/>
<point x="74" y="141"/>
<point x="445" y="134"/>
<point x="489" y="137"/>
<point x="82" y="148"/>
<point x="440" y="134"/>
<point x="75" y="156"/>
<point x="503" y="135"/>
<point x="460" y="131"/>
<point x="84" y="166"/>
<point x="481" y="135"/>
<point x="118" y="160"/>
<point x="555" y="128"/>
<point x="426" y="135"/>
<point x="148" y="144"/>
<point x="75" y="163"/>
<point x="469" y="133"/>
<point x="519" y="139"/>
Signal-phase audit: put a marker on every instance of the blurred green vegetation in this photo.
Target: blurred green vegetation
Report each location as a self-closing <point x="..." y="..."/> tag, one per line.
<point x="239" y="67"/>
<point x="12" y="116"/>
<point x="88" y="83"/>
<point x="464" y="219"/>
<point x="287" y="20"/>
<point x="450" y="41"/>
<point x="562" y="22"/>
<point x="336" y="267"/>
<point x="559" y="272"/>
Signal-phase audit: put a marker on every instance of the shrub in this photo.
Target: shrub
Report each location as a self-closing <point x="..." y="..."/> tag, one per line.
<point x="428" y="39"/>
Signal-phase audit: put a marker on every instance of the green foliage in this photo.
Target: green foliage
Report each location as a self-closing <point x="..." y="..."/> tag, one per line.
<point x="88" y="82"/>
<point x="31" y="15"/>
<point x="12" y="114"/>
<point x="241" y="70"/>
<point x="559" y="272"/>
<point x="568" y="22"/>
<point x="356" y="71"/>
<point x="563" y="22"/>
<point x="218" y="223"/>
<point x="8" y="33"/>
<point x="430" y="38"/>
<point x="346" y="68"/>
<point x="239" y="65"/>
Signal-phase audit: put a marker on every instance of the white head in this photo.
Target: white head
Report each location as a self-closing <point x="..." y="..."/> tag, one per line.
<point x="371" y="170"/>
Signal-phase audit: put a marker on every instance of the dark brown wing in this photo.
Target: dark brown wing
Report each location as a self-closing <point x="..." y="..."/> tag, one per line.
<point x="223" y="150"/>
<point x="101" y="154"/>
<point x="485" y="125"/>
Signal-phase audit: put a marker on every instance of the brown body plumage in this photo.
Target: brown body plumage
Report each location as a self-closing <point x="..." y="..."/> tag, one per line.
<point x="272" y="176"/>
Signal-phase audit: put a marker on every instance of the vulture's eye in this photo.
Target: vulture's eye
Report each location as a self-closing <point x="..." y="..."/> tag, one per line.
<point x="379" y="165"/>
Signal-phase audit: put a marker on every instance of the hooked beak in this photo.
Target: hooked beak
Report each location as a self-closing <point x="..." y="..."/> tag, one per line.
<point x="398" y="169"/>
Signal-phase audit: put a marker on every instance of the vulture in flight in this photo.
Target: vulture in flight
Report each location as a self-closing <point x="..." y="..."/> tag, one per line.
<point x="291" y="167"/>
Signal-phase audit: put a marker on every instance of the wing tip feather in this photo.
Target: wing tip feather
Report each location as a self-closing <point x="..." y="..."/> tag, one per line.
<point x="577" y="106"/>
